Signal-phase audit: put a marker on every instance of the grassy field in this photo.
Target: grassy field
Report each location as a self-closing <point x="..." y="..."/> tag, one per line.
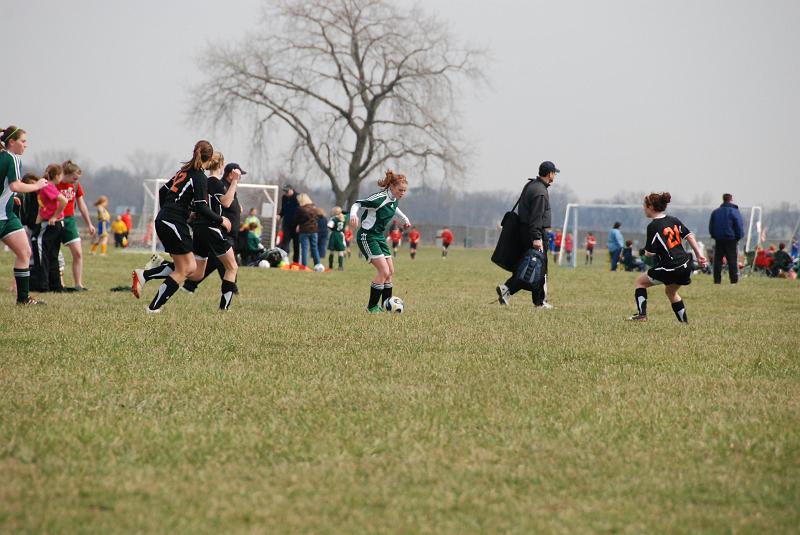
<point x="298" y="412"/>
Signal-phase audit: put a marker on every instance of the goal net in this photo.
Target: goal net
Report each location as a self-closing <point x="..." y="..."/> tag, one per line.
<point x="580" y="219"/>
<point x="261" y="197"/>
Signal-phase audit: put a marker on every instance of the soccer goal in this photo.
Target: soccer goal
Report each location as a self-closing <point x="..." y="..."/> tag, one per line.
<point x="262" y="197"/>
<point x="599" y="218"/>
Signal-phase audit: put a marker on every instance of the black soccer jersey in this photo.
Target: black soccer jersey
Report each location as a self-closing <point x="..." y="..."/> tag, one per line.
<point x="215" y="192"/>
<point x="234" y="211"/>
<point x="188" y="190"/>
<point x="665" y="238"/>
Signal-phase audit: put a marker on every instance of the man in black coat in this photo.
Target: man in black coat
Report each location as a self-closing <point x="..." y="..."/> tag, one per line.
<point x="287" y="213"/>
<point x="726" y="228"/>
<point x="534" y="216"/>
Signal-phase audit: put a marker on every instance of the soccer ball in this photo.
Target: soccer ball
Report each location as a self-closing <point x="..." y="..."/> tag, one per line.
<point x="393" y="304"/>
<point x="319" y="268"/>
<point x="264" y="264"/>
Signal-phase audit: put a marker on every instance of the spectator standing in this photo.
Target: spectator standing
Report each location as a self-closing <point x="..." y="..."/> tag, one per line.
<point x="287" y="214"/>
<point x="70" y="188"/>
<point x="306" y="220"/>
<point x="726" y="228"/>
<point x="322" y="233"/>
<point x="534" y="218"/>
<point x="128" y="220"/>
<point x="795" y="249"/>
<point x="119" y="229"/>
<point x="101" y="236"/>
<point x="615" y="244"/>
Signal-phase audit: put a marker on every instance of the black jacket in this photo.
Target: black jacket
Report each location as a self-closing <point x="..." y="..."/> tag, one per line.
<point x="534" y="209"/>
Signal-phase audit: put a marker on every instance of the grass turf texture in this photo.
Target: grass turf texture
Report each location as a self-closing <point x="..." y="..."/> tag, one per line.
<point x="297" y="411"/>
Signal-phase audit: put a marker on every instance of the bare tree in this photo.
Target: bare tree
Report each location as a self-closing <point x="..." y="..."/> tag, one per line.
<point x="360" y="84"/>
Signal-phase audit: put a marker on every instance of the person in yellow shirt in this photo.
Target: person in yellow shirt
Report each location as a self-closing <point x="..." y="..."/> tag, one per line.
<point x="119" y="228"/>
<point x="103" y="217"/>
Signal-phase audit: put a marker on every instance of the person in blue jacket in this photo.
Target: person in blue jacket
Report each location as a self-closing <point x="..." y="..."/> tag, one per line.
<point x="615" y="244"/>
<point x="726" y="228"/>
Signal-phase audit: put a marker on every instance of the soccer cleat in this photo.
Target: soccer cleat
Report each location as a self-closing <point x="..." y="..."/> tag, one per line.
<point x="377" y="309"/>
<point x="545" y="306"/>
<point x="638" y="317"/>
<point x="81" y="289"/>
<point x="30" y="301"/>
<point x="503" y="295"/>
<point x="155" y="261"/>
<point x="187" y="290"/>
<point x="151" y="311"/>
<point x="138" y="283"/>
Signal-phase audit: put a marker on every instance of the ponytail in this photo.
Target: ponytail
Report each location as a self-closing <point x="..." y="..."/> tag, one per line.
<point x="391" y="179"/>
<point x="203" y="151"/>
<point x="71" y="168"/>
<point x="658" y="201"/>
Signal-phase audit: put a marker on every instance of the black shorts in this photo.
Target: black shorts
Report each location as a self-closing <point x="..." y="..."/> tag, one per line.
<point x="209" y="241"/>
<point x="446" y="245"/>
<point x="395" y="244"/>
<point x="413" y="245"/>
<point x="174" y="234"/>
<point x="681" y="275"/>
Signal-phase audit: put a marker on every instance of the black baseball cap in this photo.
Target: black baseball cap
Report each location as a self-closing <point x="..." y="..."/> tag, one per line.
<point x="287" y="187"/>
<point x="548" y="167"/>
<point x="231" y="166"/>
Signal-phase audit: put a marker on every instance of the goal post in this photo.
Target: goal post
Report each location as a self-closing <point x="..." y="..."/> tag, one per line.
<point x="573" y="209"/>
<point x="262" y="197"/>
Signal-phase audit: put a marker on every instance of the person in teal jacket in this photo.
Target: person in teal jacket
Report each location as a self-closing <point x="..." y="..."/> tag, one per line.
<point x="615" y="244"/>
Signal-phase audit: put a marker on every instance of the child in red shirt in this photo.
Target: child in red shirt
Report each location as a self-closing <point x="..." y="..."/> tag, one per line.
<point x="447" y="239"/>
<point x="590" y="243"/>
<point x="396" y="236"/>
<point x="413" y="239"/>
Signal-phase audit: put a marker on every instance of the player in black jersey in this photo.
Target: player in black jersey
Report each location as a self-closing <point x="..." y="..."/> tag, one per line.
<point x="213" y="246"/>
<point x="185" y="193"/>
<point x="665" y="235"/>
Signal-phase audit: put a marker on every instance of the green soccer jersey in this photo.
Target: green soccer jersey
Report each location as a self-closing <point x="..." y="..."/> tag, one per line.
<point x="9" y="172"/>
<point x="377" y="211"/>
<point x="336" y="240"/>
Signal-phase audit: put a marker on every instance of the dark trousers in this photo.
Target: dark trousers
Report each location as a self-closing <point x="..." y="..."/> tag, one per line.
<point x="290" y="234"/>
<point x="726" y="249"/>
<point x="615" y="258"/>
<point x="539" y="295"/>
<point x="46" y="243"/>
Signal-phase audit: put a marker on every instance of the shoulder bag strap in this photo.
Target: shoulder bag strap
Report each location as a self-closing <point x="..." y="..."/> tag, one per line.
<point x="523" y="193"/>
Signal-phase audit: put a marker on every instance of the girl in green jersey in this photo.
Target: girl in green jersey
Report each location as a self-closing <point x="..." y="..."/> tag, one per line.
<point x="375" y="212"/>
<point x="13" y="142"/>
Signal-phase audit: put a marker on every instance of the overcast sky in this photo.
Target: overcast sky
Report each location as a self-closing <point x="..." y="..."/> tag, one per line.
<point x="690" y="96"/>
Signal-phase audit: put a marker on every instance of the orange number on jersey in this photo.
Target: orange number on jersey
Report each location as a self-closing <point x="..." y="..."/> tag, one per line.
<point x="673" y="235"/>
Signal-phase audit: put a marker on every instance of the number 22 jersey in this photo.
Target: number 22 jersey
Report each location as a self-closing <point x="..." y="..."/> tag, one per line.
<point x="664" y="238"/>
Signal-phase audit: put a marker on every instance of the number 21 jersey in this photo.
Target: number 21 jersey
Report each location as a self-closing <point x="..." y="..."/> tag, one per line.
<point x="664" y="238"/>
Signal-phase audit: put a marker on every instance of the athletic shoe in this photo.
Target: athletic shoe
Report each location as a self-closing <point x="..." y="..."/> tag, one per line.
<point x="503" y="295"/>
<point x="155" y="261"/>
<point x="81" y="289"/>
<point x="151" y="311"/>
<point x="187" y="290"/>
<point x="638" y="317"/>
<point x="375" y="310"/>
<point x="545" y="306"/>
<point x="30" y="301"/>
<point x="138" y="283"/>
